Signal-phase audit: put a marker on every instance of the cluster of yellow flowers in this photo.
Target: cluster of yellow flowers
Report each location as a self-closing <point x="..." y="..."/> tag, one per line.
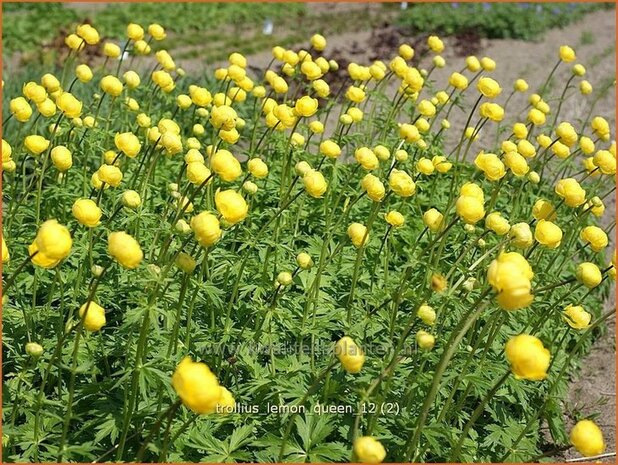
<point x="217" y="152"/>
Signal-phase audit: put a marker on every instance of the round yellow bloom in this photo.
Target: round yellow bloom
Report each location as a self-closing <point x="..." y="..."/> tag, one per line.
<point x="473" y="64"/>
<point x="53" y="241"/>
<point x="128" y="143"/>
<point x="544" y="210"/>
<point x="536" y="117"/>
<point x="401" y="183"/>
<point x="600" y="127"/>
<point x="206" y="228"/>
<point x="528" y="358"/>
<point x="135" y="31"/>
<point x="426" y="108"/>
<point x="131" y="79"/>
<point x="314" y="183"/>
<point x="306" y="106"/>
<point x="425" y="166"/>
<point x="231" y="205"/>
<point x="61" y="158"/>
<point x="35" y="92"/>
<point x="589" y="274"/>
<point x="87" y="212"/>
<point x="606" y="162"/>
<point x="368" y="450"/>
<point x="488" y="87"/>
<point x="50" y="82"/>
<point x="435" y="44"/>
<point x="225" y="165"/>
<point x="374" y="187"/>
<point x="111" y="85"/>
<point x="567" y="54"/>
<point x="409" y="133"/>
<point x="510" y="276"/>
<point x="497" y="223"/>
<point x="406" y="52"/>
<point x="516" y="163"/>
<point x="366" y="158"/>
<point x="111" y="50"/>
<point x="520" y="85"/>
<point x="36" y="144"/>
<point x="20" y="109"/>
<point x="197" y="172"/>
<point x="5" y="251"/>
<point x="350" y="355"/>
<point x="110" y="175"/>
<point x="441" y="164"/>
<point x="257" y="168"/>
<point x="491" y="111"/>
<point x="469" y="209"/>
<point x="358" y="234"/>
<point x="304" y="260"/>
<point x="521" y="235"/>
<point x="425" y="340"/>
<point x="131" y="199"/>
<point x="490" y="165"/>
<point x="124" y="249"/>
<point x="548" y="234"/>
<point x="433" y="220"/>
<point x="69" y="105"/>
<point x="93" y="316"/>
<point x="570" y="190"/>
<point x="88" y="33"/>
<point x="197" y="386"/>
<point x="585" y="87"/>
<point x="576" y="317"/>
<point x="427" y="314"/>
<point x="594" y="236"/>
<point x="83" y="73"/>
<point x="587" y="438"/>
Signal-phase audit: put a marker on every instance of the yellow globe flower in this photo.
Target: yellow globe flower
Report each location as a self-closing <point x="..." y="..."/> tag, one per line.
<point x="358" y="234"/>
<point x="567" y="54"/>
<point x="124" y="249"/>
<point x="306" y="106"/>
<point x="257" y="168"/>
<point x="366" y="158"/>
<point x="488" y="87"/>
<point x="87" y="212"/>
<point x="395" y="219"/>
<point x="61" y="158"/>
<point x="587" y="438"/>
<point x="93" y="316"/>
<point x="589" y="275"/>
<point x="36" y="144"/>
<point x="469" y="209"/>
<point x="490" y="165"/>
<point x="425" y="340"/>
<point x="510" y="276"/>
<point x="206" y="228"/>
<point x="368" y="450"/>
<point x="594" y="236"/>
<point x="304" y="260"/>
<point x="111" y="85"/>
<point x="492" y="111"/>
<point x="548" y="234"/>
<point x="497" y="223"/>
<point x="435" y="44"/>
<point x="225" y="165"/>
<point x="576" y="317"/>
<point x="528" y="358"/>
<point x="197" y="173"/>
<point x="427" y="314"/>
<point x="570" y="190"/>
<point x="314" y="183"/>
<point x="128" y="143"/>
<point x="231" y="205"/>
<point x="373" y="187"/>
<point x="197" y="386"/>
<point x="350" y="355"/>
<point x="131" y="199"/>
<point x="544" y="210"/>
<point x="433" y="220"/>
<point x="401" y="183"/>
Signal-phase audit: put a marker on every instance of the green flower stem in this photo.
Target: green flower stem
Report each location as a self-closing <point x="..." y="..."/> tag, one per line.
<point x="166" y="436"/>
<point x="359" y="256"/>
<point x="477" y="413"/>
<point x="449" y="350"/>
<point x="71" y="388"/>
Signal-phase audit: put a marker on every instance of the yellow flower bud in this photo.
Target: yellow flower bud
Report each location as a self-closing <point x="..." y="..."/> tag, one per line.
<point x="52" y="244"/>
<point x="488" y="87"/>
<point x="131" y="199"/>
<point x="433" y="219"/>
<point x="425" y="340"/>
<point x="225" y="165"/>
<point x="427" y="314"/>
<point x="314" y="183"/>
<point x="304" y="260"/>
<point x="570" y="190"/>
<point x="231" y="205"/>
<point x="350" y="355"/>
<point x="576" y="317"/>
<point x="567" y="54"/>
<point x="111" y="85"/>
<point x="401" y="183"/>
<point x="548" y="234"/>
<point x="368" y="450"/>
<point x="510" y="276"/>
<point x="594" y="236"/>
<point x="87" y="212"/>
<point x="36" y="144"/>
